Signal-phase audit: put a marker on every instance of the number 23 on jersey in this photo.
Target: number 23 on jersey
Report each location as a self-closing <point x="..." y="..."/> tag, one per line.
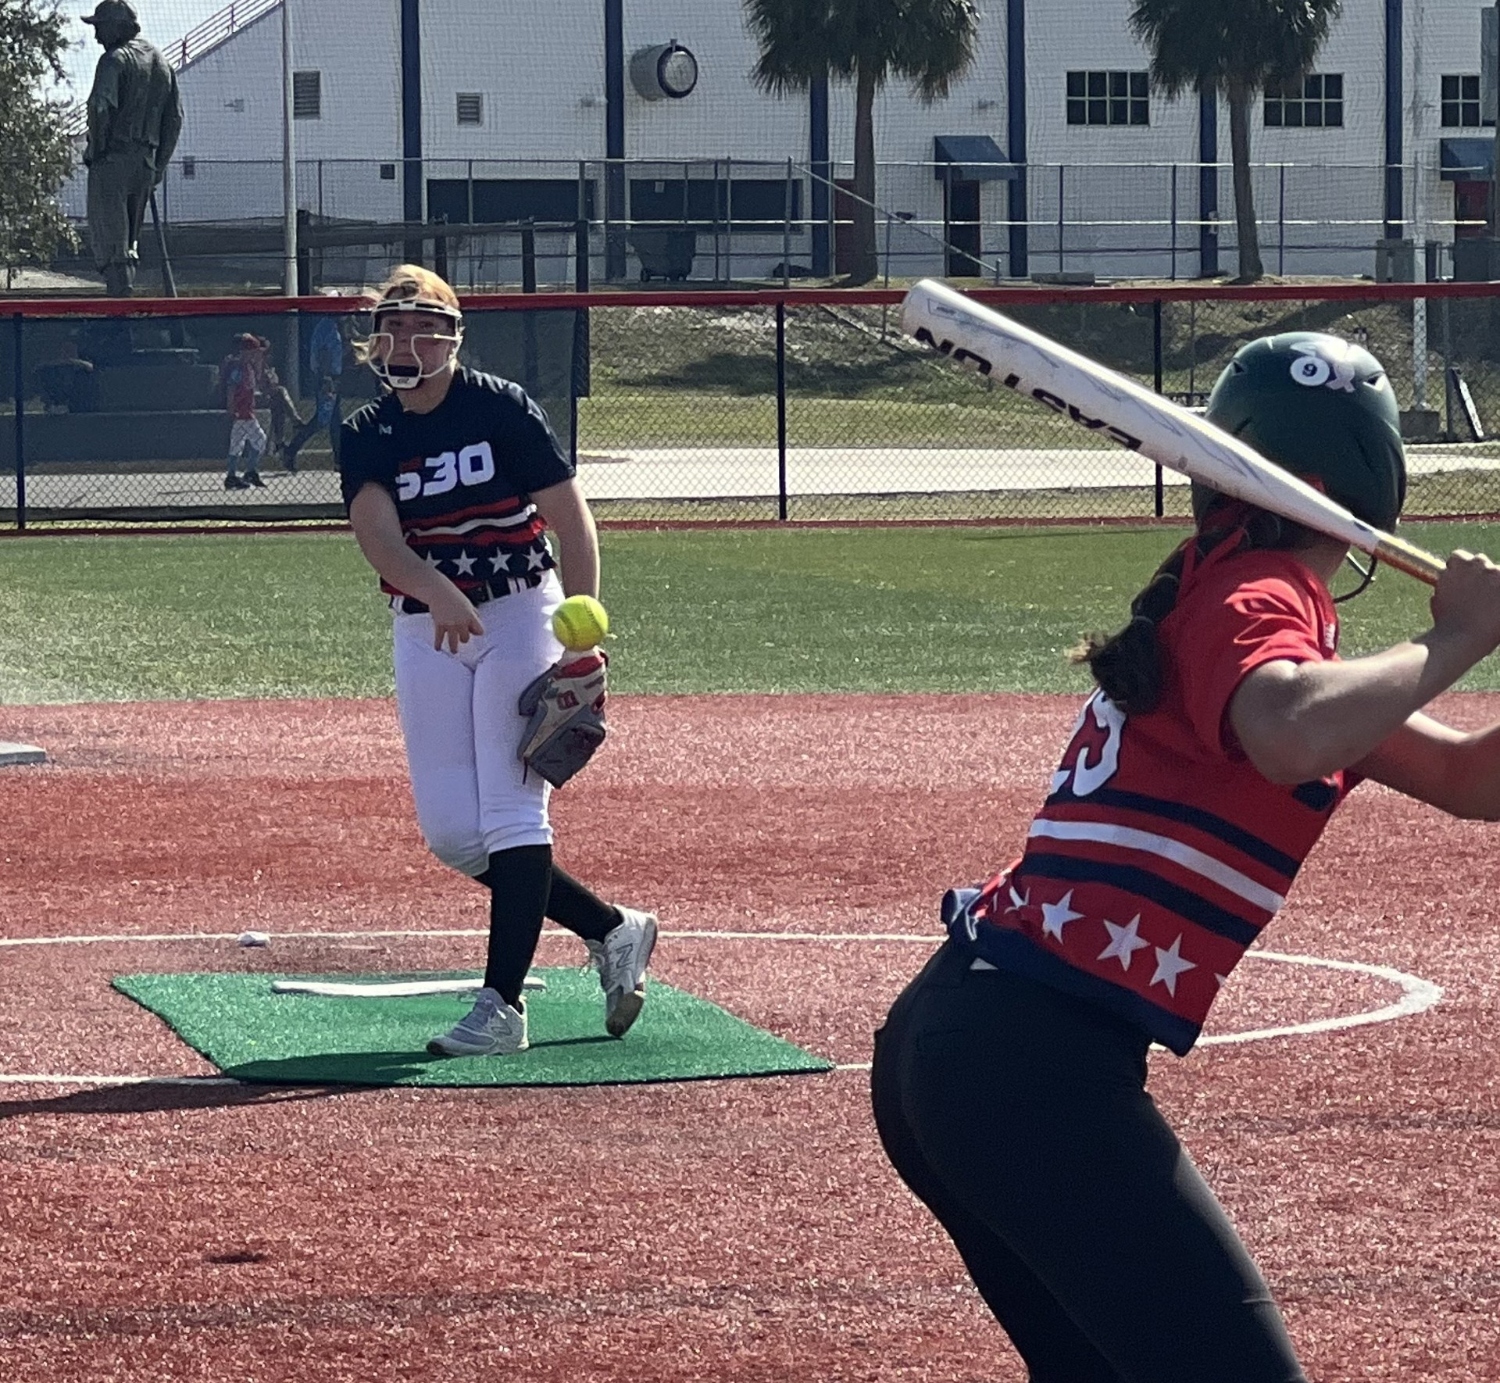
<point x="1093" y="753"/>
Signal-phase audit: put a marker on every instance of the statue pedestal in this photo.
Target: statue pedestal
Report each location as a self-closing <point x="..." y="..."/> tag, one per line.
<point x="146" y="403"/>
<point x="153" y="381"/>
<point x="200" y="435"/>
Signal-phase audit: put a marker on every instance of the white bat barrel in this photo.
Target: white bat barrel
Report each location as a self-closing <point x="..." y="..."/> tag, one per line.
<point x="1097" y="398"/>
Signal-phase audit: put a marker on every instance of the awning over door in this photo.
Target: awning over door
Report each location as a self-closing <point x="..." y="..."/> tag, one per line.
<point x="970" y="158"/>
<point x="1467" y="160"/>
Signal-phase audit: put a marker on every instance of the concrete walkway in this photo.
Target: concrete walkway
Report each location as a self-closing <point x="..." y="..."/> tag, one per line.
<point x="695" y="473"/>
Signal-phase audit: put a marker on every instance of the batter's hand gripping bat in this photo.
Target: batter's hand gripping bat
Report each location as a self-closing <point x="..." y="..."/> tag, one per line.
<point x="1097" y="398"/>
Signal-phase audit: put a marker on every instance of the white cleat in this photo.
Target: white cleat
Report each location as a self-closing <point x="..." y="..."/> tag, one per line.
<point x="492" y="1028"/>
<point x="621" y="960"/>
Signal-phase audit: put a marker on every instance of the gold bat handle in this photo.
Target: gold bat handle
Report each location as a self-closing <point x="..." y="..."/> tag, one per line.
<point x="1408" y="557"/>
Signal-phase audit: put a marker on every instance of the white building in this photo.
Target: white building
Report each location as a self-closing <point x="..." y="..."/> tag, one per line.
<point x="1050" y="154"/>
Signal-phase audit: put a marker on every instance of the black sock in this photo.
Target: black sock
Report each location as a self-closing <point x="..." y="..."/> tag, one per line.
<point x="574" y="907"/>
<point x="518" y="881"/>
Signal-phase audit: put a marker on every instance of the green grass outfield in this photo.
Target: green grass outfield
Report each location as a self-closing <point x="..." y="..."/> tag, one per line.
<point x="919" y="609"/>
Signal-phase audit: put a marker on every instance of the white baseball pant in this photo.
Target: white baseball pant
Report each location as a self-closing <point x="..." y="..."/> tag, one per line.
<point x="463" y="732"/>
<point x="246" y="436"/>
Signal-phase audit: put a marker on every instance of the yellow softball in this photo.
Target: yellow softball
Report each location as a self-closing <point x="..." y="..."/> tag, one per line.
<point x="580" y="622"/>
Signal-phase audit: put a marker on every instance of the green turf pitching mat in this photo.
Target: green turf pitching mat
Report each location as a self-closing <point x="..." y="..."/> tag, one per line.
<point x="253" y="1034"/>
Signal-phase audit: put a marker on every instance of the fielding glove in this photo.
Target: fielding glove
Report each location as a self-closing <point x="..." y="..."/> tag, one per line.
<point x="564" y="708"/>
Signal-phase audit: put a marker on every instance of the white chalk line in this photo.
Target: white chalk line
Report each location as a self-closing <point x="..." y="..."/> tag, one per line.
<point x="1417" y="995"/>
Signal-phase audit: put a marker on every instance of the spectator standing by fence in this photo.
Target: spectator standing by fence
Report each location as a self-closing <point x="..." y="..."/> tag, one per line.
<point x="325" y="359"/>
<point x="242" y="376"/>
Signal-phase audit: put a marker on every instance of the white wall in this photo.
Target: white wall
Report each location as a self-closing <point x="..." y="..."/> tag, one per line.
<point x="1112" y="206"/>
<point x="726" y="116"/>
<point x="232" y="101"/>
<point x="725" y="119"/>
<point x="540" y="71"/>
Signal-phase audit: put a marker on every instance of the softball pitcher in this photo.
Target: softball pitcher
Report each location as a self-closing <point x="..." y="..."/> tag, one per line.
<point x="1009" y="1079"/>
<point x="452" y="478"/>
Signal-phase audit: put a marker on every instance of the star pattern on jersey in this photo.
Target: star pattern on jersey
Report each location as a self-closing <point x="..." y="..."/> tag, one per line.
<point x="1124" y="941"/>
<point x="433" y="561"/>
<point x="1056" y="916"/>
<point x="500" y="562"/>
<point x="1169" y="965"/>
<point x="535" y="561"/>
<point x="465" y="563"/>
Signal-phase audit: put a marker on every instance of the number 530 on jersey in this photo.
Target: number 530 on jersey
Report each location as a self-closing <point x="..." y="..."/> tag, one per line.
<point x="474" y="465"/>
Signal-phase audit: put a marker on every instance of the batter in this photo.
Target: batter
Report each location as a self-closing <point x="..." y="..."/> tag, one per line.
<point x="1009" y="1082"/>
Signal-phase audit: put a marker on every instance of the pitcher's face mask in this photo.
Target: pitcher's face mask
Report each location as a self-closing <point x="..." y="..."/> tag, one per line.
<point x="414" y="340"/>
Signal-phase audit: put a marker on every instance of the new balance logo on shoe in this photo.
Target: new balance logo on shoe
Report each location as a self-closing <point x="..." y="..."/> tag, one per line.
<point x="621" y="960"/>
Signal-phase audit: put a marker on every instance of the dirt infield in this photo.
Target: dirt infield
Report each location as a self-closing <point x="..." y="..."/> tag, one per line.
<point x="795" y="848"/>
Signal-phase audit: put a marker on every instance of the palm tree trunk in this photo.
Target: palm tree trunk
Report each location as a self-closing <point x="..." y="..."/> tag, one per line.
<point x="863" y="266"/>
<point x="1251" y="268"/>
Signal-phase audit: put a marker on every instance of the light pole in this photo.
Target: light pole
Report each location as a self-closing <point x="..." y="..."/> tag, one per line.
<point x="1490" y="53"/>
<point x="288" y="158"/>
<point x="292" y="365"/>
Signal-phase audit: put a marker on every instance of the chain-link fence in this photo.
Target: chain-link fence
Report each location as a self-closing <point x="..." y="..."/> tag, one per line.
<point x="684" y="406"/>
<point x="728" y="220"/>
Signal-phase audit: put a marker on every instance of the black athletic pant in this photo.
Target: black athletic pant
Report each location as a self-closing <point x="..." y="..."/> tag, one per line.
<point x="524" y="887"/>
<point x="1020" y="1117"/>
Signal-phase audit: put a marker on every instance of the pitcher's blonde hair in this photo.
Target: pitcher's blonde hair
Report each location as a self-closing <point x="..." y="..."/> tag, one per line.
<point x="411" y="288"/>
<point x="411" y="283"/>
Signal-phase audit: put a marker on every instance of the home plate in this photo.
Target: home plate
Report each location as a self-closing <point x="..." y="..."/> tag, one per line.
<point x="20" y="754"/>
<point x="388" y="989"/>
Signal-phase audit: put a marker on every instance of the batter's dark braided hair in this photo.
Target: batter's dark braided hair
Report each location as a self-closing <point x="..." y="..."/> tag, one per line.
<point x="1127" y="665"/>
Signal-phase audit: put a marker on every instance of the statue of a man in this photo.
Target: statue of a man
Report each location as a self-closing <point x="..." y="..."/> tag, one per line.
<point x="134" y="118"/>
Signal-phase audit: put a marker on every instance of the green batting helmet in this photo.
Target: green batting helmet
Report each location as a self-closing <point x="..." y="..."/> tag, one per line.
<point x="1323" y="408"/>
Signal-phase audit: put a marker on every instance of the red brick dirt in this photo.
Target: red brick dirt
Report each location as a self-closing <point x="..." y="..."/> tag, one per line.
<point x="685" y="1233"/>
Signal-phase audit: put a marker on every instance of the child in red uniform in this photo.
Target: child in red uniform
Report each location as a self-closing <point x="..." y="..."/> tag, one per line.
<point x="241" y="377"/>
<point x="1009" y="1079"/>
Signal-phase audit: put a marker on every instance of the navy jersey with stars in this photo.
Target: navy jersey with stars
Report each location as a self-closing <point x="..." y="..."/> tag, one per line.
<point x="462" y="477"/>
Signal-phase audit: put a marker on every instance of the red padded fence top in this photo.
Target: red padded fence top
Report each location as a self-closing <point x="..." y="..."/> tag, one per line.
<point x="1310" y="291"/>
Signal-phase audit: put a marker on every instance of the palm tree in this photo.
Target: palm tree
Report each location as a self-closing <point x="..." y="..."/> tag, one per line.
<point x="1237" y="48"/>
<point x="928" y="43"/>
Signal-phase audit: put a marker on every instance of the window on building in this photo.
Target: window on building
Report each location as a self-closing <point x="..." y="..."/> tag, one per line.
<point x="470" y="108"/>
<point x="387" y="172"/>
<point x="1314" y="103"/>
<point x="189" y="166"/>
<point x="307" y="95"/>
<point x="1109" y="98"/>
<point x="1461" y="100"/>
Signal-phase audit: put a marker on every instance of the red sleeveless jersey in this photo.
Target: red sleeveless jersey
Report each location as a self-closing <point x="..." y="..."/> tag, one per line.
<point x="1161" y="852"/>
